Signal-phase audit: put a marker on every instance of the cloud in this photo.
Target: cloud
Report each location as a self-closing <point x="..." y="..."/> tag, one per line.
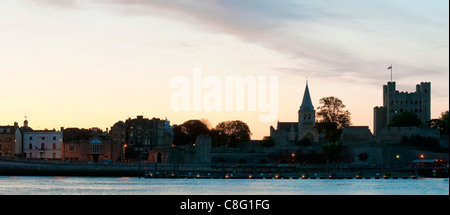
<point x="339" y="37"/>
<point x="64" y="4"/>
<point x="335" y="39"/>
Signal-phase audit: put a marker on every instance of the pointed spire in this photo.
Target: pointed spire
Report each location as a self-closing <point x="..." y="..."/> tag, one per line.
<point x="306" y="103"/>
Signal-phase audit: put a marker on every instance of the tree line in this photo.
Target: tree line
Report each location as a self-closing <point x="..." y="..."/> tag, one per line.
<point x="225" y="134"/>
<point x="331" y="120"/>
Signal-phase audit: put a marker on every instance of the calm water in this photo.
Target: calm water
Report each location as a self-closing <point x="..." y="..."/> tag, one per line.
<point x="28" y="185"/>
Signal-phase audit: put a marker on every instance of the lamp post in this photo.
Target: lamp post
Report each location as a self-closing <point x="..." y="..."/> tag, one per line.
<point x="123" y="152"/>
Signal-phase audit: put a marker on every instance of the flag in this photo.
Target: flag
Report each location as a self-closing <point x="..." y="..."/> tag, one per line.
<point x="390" y="67"/>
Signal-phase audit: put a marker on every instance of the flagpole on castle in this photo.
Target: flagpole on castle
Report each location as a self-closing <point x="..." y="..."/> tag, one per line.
<point x="391" y="71"/>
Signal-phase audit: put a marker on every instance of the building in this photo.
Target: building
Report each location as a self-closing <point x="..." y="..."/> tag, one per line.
<point x="10" y="141"/>
<point x="42" y="144"/>
<point x="196" y="154"/>
<point x="288" y="133"/>
<point x="395" y="103"/>
<point x="118" y="138"/>
<point x="139" y="136"/>
<point x="89" y="145"/>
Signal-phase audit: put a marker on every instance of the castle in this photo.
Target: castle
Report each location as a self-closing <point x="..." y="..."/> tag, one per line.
<point x="395" y="103"/>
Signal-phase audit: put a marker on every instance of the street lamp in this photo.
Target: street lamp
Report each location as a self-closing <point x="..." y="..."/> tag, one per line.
<point x="123" y="152"/>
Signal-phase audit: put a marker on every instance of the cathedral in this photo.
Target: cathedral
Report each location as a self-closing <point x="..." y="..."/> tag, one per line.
<point x="288" y="133"/>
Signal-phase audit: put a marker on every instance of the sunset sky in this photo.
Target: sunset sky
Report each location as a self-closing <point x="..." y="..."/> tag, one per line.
<point x="91" y="63"/>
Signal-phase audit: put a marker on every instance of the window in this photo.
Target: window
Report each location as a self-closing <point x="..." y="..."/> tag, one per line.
<point x="31" y="138"/>
<point x="159" y="158"/>
<point x="54" y="137"/>
<point x="42" y="145"/>
<point x="42" y="138"/>
<point x="31" y="146"/>
<point x="54" y="146"/>
<point x="95" y="148"/>
<point x="71" y="148"/>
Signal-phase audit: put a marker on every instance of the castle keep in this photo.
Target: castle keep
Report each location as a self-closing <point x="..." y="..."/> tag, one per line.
<point x="395" y="103"/>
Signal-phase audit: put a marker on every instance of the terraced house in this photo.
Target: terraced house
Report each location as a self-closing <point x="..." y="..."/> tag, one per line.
<point x="10" y="141"/>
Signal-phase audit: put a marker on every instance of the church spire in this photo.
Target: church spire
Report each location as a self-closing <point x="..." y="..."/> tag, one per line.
<point x="306" y="103"/>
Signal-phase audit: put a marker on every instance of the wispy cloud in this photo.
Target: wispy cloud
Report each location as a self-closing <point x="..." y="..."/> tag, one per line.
<point x="336" y="38"/>
<point x="65" y="4"/>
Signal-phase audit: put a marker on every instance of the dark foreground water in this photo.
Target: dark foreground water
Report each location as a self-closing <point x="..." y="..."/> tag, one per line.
<point x="29" y="185"/>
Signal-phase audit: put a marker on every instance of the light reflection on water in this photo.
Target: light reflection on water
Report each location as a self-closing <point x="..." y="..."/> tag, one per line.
<point x="30" y="185"/>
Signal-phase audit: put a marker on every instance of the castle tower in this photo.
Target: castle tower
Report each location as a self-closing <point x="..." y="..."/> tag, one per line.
<point x="307" y="117"/>
<point x="396" y="102"/>
<point x="399" y="102"/>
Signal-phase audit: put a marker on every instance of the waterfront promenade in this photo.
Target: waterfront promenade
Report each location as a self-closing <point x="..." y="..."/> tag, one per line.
<point x="143" y="169"/>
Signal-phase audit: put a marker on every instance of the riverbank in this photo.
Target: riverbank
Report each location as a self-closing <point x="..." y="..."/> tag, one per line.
<point x="23" y="168"/>
<point x="27" y="168"/>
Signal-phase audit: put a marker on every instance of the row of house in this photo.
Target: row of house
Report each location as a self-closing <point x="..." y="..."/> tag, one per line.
<point x="134" y="138"/>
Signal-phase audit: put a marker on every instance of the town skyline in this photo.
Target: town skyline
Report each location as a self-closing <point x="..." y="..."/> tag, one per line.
<point x="90" y="64"/>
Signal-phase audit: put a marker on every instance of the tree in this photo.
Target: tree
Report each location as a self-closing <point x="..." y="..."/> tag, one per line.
<point x="363" y="156"/>
<point x="333" y="151"/>
<point x="442" y="123"/>
<point x="186" y="133"/>
<point x="332" y="118"/>
<point x="305" y="141"/>
<point x="406" y="119"/>
<point x="268" y="141"/>
<point x="230" y="133"/>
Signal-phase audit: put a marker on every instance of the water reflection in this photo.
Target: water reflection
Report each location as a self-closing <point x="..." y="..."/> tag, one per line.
<point x="24" y="185"/>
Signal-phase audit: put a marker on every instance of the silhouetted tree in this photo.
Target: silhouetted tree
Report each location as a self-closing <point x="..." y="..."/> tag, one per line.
<point x="230" y="133"/>
<point x="333" y="151"/>
<point x="186" y="133"/>
<point x="305" y="141"/>
<point x="442" y="123"/>
<point x="268" y="141"/>
<point x="406" y="119"/>
<point x="332" y="118"/>
<point x="363" y="156"/>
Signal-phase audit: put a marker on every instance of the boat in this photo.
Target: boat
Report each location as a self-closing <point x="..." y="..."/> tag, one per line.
<point x="430" y="168"/>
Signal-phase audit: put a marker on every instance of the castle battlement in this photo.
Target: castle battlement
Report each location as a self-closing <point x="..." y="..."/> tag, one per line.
<point x="397" y="102"/>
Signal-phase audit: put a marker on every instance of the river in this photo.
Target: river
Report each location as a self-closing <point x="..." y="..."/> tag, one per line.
<point x="50" y="185"/>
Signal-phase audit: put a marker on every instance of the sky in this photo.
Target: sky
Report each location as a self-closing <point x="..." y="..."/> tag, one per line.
<point x="80" y="63"/>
